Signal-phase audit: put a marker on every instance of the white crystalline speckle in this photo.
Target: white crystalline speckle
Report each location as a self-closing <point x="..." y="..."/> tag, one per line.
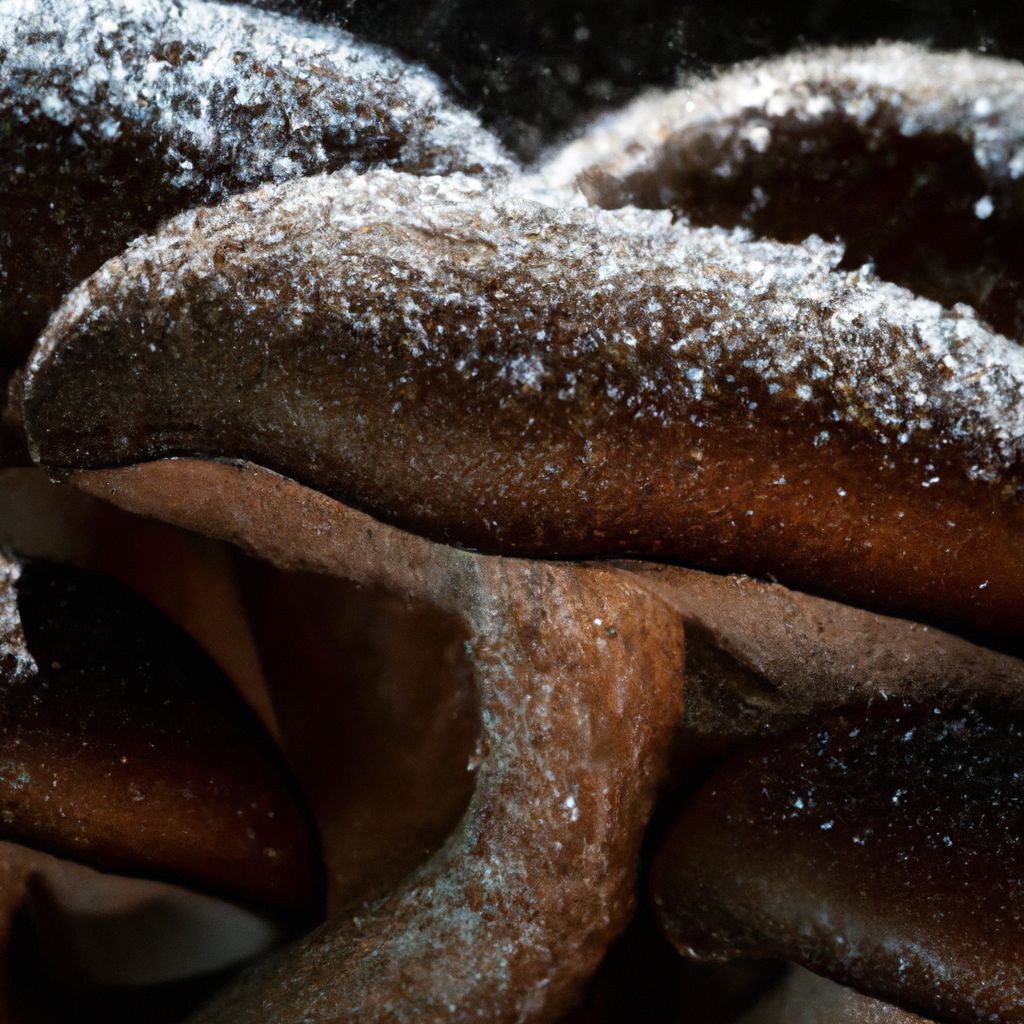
<point x="704" y="309"/>
<point x="16" y="660"/>
<point x="232" y="96"/>
<point x="978" y="98"/>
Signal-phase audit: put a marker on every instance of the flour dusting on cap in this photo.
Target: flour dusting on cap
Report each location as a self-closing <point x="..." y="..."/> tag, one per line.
<point x="881" y="88"/>
<point x="231" y="96"/>
<point x="598" y="311"/>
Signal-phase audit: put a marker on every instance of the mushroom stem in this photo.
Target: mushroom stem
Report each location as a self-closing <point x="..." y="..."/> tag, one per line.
<point x="579" y="677"/>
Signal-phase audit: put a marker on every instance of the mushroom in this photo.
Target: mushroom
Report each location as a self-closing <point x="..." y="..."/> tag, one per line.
<point x="913" y="159"/>
<point x="119" y="113"/>
<point x="879" y="845"/>
<point x="560" y="381"/>
<point x="552" y="637"/>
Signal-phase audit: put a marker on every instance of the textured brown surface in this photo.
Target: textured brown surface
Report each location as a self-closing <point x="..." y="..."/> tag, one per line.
<point x="774" y="637"/>
<point x="115" y="115"/>
<point x="381" y="727"/>
<point x="561" y="381"/>
<point x="125" y="747"/>
<point x="913" y="159"/>
<point x="805" y="998"/>
<point x="881" y="846"/>
<point x="578" y="674"/>
<point x="578" y="706"/>
<point x="932" y="422"/>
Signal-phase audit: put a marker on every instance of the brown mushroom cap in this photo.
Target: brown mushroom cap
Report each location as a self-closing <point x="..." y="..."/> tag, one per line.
<point x="913" y="159"/>
<point x="126" y="748"/>
<point x="882" y="846"/>
<point x="116" y="115"/>
<point x="560" y="381"/>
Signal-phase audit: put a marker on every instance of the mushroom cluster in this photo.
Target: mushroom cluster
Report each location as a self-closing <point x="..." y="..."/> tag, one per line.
<point x="426" y="576"/>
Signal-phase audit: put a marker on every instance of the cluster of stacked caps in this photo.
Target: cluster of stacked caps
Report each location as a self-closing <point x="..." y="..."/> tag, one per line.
<point x="704" y="437"/>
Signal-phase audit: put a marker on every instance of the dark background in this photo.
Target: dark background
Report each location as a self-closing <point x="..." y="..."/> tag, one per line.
<point x="535" y="68"/>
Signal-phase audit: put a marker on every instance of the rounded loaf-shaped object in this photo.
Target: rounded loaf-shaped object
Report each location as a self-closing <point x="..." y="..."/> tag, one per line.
<point x="493" y="371"/>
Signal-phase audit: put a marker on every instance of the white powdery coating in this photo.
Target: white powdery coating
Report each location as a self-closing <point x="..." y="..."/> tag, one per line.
<point x="890" y="85"/>
<point x="641" y="288"/>
<point x="255" y="95"/>
<point x="15" y="659"/>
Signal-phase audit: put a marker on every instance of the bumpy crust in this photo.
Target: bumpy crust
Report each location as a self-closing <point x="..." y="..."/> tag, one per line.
<point x="118" y="113"/>
<point x="914" y="159"/>
<point x="832" y="847"/>
<point x="578" y="672"/>
<point x="561" y="381"/>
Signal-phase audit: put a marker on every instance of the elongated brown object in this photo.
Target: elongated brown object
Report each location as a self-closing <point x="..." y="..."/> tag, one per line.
<point x="124" y="747"/>
<point x="914" y="159"/>
<point x="490" y="370"/>
<point x="834" y="847"/>
<point x="115" y="114"/>
<point x="578" y="672"/>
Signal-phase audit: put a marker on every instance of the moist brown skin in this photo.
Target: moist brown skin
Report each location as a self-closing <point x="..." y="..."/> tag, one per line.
<point x="880" y="846"/>
<point x="775" y="636"/>
<point x="179" y="349"/>
<point x="127" y="748"/>
<point x="760" y="657"/>
<point x="509" y="918"/>
<point x="382" y="728"/>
